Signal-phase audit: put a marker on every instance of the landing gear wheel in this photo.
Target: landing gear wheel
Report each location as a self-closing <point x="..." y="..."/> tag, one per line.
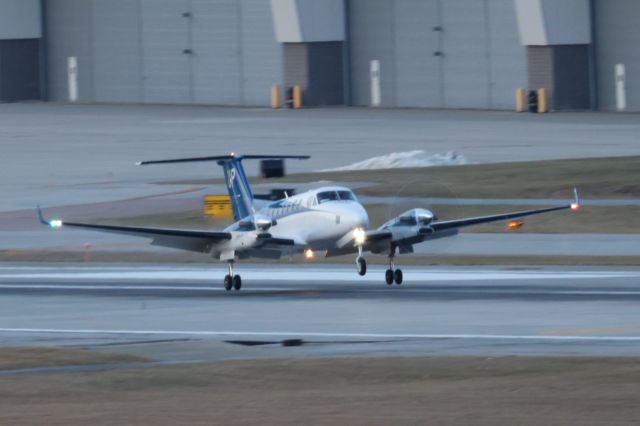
<point x="237" y="282"/>
<point x="228" y="282"/>
<point x="398" y="276"/>
<point x="362" y="266"/>
<point x="388" y="276"/>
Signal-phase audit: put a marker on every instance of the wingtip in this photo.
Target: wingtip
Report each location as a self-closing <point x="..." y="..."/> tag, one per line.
<point x="575" y="205"/>
<point x="40" y="215"/>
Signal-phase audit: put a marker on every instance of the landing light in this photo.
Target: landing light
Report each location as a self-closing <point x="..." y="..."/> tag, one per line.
<point x="309" y="254"/>
<point x="359" y="236"/>
<point x="56" y="223"/>
<point x="575" y="206"/>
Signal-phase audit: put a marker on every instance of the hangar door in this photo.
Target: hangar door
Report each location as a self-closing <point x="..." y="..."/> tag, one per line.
<point x="437" y="53"/>
<point x="219" y="52"/>
<point x="617" y="41"/>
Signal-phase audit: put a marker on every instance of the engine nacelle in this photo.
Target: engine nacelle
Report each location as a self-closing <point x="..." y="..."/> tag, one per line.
<point x="262" y="222"/>
<point x="416" y="217"/>
<point x="258" y="222"/>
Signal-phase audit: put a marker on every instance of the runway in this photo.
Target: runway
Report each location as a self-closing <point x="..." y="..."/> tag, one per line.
<point x="181" y="313"/>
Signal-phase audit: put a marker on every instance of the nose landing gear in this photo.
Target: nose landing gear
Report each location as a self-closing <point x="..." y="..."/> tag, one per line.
<point x="231" y="280"/>
<point x="361" y="264"/>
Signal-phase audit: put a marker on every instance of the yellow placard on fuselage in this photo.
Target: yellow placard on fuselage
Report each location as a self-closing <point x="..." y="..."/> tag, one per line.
<point x="218" y="206"/>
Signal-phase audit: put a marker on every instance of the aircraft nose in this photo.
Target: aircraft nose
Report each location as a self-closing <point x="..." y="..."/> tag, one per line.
<point x="359" y="218"/>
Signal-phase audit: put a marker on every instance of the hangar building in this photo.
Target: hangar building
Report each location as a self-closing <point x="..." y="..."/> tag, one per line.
<point x="392" y="53"/>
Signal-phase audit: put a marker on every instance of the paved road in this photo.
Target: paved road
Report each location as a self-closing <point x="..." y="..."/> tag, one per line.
<point x="69" y="154"/>
<point x="175" y="313"/>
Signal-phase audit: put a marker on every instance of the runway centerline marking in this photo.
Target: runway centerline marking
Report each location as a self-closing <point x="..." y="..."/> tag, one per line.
<point x="211" y="333"/>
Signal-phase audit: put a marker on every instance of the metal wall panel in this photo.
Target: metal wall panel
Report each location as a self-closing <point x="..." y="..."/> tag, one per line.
<point x="372" y="37"/>
<point x="540" y="60"/>
<point x="216" y="52"/>
<point x="465" y="47"/>
<point x="20" y="19"/>
<point x="617" y="41"/>
<point x="69" y="33"/>
<point x="117" y="51"/>
<point x="165" y="40"/>
<point x="296" y="65"/>
<point x="418" y="68"/>
<point x="507" y="57"/>
<point x="261" y="54"/>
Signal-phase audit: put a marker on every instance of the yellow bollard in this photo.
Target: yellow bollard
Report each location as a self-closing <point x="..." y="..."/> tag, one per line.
<point x="542" y="100"/>
<point x="276" y="99"/>
<point x="297" y="96"/>
<point x="521" y="96"/>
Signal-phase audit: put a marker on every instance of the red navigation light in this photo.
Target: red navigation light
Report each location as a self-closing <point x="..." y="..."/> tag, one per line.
<point x="575" y="206"/>
<point x="232" y="154"/>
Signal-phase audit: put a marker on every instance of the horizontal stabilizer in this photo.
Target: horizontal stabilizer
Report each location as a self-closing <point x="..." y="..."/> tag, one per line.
<point x="225" y="158"/>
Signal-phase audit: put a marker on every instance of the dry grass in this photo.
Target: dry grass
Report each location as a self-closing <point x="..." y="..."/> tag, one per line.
<point x="28" y="357"/>
<point x="615" y="177"/>
<point x="379" y="391"/>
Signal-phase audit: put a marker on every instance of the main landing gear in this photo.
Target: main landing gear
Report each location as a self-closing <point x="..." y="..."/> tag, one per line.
<point x="232" y="281"/>
<point x="392" y="274"/>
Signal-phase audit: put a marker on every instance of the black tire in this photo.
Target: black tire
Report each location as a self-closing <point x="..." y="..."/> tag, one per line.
<point x="362" y="266"/>
<point x="388" y="276"/>
<point x="228" y="282"/>
<point x="237" y="282"/>
<point x="398" y="276"/>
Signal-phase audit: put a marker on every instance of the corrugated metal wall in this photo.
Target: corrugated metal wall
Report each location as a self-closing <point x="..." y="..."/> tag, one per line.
<point x="176" y="51"/>
<point x="437" y="53"/>
<point x="617" y="40"/>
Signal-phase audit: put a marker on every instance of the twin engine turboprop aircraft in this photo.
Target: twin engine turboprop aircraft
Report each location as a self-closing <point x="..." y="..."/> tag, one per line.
<point x="327" y="219"/>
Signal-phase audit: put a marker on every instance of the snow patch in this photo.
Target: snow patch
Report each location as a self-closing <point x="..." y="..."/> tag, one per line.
<point x="396" y="160"/>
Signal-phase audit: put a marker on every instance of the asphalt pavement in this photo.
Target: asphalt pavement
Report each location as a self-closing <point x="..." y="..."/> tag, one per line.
<point x="69" y="154"/>
<point x="178" y="313"/>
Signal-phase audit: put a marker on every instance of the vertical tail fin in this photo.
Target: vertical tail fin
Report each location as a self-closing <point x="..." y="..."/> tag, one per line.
<point x="234" y="176"/>
<point x="238" y="187"/>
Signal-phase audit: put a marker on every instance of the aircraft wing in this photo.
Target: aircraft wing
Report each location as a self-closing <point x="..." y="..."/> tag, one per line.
<point x="404" y="237"/>
<point x="186" y="239"/>
<point x="461" y="223"/>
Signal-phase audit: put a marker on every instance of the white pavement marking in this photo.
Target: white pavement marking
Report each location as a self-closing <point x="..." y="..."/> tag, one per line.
<point x="302" y="274"/>
<point x="540" y="291"/>
<point x="320" y="334"/>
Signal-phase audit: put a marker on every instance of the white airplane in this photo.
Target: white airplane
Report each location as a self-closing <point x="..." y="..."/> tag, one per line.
<point x="328" y="219"/>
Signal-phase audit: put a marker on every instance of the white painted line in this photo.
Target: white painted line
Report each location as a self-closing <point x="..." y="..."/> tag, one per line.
<point x="309" y="275"/>
<point x="109" y="287"/>
<point x="319" y="334"/>
<point x="104" y="287"/>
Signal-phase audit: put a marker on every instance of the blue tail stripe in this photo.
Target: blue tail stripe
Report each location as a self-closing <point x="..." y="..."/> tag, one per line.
<point x="238" y="187"/>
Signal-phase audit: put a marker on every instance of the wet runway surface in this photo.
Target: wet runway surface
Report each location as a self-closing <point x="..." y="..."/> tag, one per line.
<point x="181" y="313"/>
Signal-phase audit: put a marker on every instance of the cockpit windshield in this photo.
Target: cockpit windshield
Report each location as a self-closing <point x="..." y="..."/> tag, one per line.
<point x="346" y="195"/>
<point x="327" y="196"/>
